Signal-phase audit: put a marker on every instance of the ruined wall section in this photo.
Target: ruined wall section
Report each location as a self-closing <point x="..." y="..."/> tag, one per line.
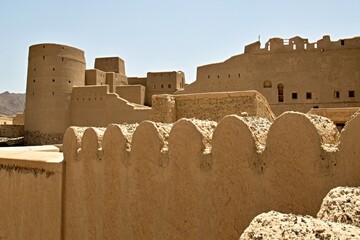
<point x="53" y="71"/>
<point x="199" y="179"/>
<point x="212" y="106"/>
<point x="95" y="106"/>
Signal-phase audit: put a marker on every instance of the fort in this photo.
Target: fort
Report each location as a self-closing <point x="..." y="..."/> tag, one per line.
<point x="151" y="157"/>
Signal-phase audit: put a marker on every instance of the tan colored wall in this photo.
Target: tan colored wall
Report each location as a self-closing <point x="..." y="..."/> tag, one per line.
<point x="53" y="70"/>
<point x="6" y="120"/>
<point x="132" y="93"/>
<point x="163" y="83"/>
<point x="95" y="106"/>
<point x="137" y="80"/>
<point x="95" y="77"/>
<point x="110" y="64"/>
<point x="202" y="180"/>
<point x="19" y="119"/>
<point x="30" y="203"/>
<point x="320" y="71"/>
<point x="11" y="131"/>
<point x="212" y="106"/>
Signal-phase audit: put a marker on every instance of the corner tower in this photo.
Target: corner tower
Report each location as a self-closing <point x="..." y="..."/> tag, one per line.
<point x="53" y="70"/>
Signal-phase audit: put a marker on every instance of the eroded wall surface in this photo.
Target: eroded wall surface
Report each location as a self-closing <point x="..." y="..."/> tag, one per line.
<point x="199" y="179"/>
<point x="11" y="131"/>
<point x="211" y="106"/>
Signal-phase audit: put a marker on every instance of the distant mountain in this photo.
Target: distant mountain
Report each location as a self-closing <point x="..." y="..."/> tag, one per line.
<point x="11" y="103"/>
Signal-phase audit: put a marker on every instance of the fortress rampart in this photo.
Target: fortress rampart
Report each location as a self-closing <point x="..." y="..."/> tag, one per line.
<point x="53" y="70"/>
<point x="194" y="179"/>
<point x="293" y="74"/>
<point x="201" y="180"/>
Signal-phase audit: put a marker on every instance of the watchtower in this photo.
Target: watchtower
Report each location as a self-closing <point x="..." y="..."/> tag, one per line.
<point x="53" y="70"/>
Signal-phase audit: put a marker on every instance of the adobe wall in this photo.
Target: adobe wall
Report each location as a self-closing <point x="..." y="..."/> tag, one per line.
<point x="95" y="77"/>
<point x="212" y="106"/>
<point x="198" y="179"/>
<point x="163" y="83"/>
<point x="53" y="71"/>
<point x="110" y="64"/>
<point x="11" y="131"/>
<point x="132" y="93"/>
<point x="322" y="74"/>
<point x="6" y="120"/>
<point x="19" y="119"/>
<point x="95" y="106"/>
<point x="30" y="203"/>
<point x="137" y="80"/>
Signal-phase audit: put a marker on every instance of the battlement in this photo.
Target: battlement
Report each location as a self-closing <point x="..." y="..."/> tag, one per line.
<point x="298" y="43"/>
<point x="200" y="179"/>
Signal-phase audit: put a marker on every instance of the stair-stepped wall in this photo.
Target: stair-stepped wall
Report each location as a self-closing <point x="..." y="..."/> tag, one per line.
<point x="197" y="179"/>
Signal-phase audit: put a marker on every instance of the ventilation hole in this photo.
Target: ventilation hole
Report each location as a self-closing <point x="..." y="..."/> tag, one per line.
<point x="44" y="46"/>
<point x="34" y="80"/>
<point x="229" y="76"/>
<point x="34" y="69"/>
<point x="62" y="59"/>
<point x="43" y="57"/>
<point x="53" y="93"/>
<point x="239" y="75"/>
<point x="33" y="93"/>
<point x="53" y="69"/>
<point x="69" y="81"/>
<point x="53" y="80"/>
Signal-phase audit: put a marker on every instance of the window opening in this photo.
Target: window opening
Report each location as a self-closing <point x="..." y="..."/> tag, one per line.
<point x="294" y="95"/>
<point x="336" y="94"/>
<point x="280" y="92"/>
<point x="308" y="95"/>
<point x="352" y="94"/>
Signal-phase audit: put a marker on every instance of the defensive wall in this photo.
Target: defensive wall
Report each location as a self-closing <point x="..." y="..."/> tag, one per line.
<point x="194" y="179"/>
<point x="31" y="193"/>
<point x="209" y="106"/>
<point x="293" y="74"/>
<point x="201" y="180"/>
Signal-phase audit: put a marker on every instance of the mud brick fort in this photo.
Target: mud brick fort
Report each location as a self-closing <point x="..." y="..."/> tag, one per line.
<point x="264" y="145"/>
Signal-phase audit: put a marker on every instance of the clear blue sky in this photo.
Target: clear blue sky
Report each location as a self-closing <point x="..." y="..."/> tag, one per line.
<point x="160" y="35"/>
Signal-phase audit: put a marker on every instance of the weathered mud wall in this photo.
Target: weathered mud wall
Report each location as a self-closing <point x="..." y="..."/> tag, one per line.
<point x="11" y="131"/>
<point x="30" y="202"/>
<point x="201" y="180"/>
<point x="209" y="106"/>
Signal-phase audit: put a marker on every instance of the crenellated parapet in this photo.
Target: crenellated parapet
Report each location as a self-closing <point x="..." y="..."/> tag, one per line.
<point x="198" y="179"/>
<point x="298" y="43"/>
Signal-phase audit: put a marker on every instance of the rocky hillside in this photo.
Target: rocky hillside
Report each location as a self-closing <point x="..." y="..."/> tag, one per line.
<point x="11" y="103"/>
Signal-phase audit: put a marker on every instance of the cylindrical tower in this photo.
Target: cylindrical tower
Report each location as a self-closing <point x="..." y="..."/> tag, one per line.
<point x="53" y="70"/>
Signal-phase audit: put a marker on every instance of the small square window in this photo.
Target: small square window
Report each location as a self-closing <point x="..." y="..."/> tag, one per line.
<point x="169" y="85"/>
<point x="336" y="94"/>
<point x="308" y="95"/>
<point x="351" y="94"/>
<point x="294" y="95"/>
<point x="162" y="85"/>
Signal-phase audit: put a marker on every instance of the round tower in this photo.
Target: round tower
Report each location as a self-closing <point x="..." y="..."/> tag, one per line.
<point x="53" y="70"/>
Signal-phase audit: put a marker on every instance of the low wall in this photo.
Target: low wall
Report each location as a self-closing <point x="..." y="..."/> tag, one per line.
<point x="132" y="93"/>
<point x="31" y="186"/>
<point x="11" y="131"/>
<point x="201" y="180"/>
<point x="212" y="106"/>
